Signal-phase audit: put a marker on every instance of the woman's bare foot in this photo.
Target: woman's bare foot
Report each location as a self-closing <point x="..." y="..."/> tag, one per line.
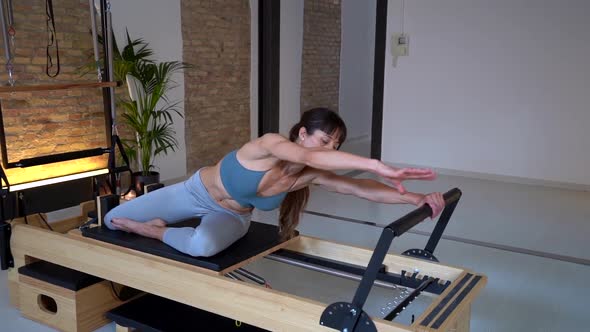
<point x="154" y="228"/>
<point x="129" y="225"/>
<point x="156" y="222"/>
<point x="124" y="224"/>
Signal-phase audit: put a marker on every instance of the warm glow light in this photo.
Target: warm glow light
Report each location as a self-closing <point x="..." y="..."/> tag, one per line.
<point x="130" y="195"/>
<point x="55" y="170"/>
<point x="45" y="182"/>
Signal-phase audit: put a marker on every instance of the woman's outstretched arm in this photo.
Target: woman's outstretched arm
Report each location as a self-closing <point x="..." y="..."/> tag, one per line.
<point x="375" y="191"/>
<point x="320" y="158"/>
<point x="330" y="160"/>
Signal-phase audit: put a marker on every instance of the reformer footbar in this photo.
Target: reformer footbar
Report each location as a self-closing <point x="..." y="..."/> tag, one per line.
<point x="443" y="220"/>
<point x="348" y="317"/>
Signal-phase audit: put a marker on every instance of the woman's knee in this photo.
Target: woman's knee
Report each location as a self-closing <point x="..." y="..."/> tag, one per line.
<point x="203" y="246"/>
<point x="207" y="241"/>
<point x="216" y="232"/>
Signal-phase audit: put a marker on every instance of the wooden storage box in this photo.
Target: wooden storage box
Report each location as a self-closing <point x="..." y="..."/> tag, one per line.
<point x="67" y="301"/>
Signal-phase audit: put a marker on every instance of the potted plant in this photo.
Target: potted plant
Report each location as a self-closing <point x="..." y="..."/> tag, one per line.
<point x="147" y="112"/>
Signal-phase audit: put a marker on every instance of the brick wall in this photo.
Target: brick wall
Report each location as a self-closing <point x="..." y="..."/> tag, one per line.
<point x="320" y="72"/>
<point x="216" y="41"/>
<point x="72" y="23"/>
<point x="48" y="122"/>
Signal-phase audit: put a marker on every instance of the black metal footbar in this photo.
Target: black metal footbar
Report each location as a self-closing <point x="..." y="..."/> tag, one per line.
<point x="348" y="317"/>
<point x="428" y="251"/>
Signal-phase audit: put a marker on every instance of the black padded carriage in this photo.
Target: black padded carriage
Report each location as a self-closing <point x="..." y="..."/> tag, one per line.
<point x="260" y="238"/>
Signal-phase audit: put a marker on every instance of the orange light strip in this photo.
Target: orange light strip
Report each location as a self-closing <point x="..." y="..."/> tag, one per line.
<point x="34" y="184"/>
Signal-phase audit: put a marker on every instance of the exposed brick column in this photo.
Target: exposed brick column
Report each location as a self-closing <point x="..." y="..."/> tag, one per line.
<point x="320" y="72"/>
<point x="216" y="40"/>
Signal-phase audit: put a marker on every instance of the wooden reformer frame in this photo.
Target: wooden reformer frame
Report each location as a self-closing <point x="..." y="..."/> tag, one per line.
<point x="252" y="304"/>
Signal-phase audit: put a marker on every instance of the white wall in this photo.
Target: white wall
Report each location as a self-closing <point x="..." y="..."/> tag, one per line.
<point x="498" y="87"/>
<point x="356" y="66"/>
<point x="291" y="48"/>
<point x="159" y="24"/>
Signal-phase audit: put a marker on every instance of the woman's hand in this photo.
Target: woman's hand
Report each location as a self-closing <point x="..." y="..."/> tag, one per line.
<point x="397" y="175"/>
<point x="435" y="201"/>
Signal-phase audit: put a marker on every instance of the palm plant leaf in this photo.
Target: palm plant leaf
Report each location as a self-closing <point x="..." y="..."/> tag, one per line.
<point x="151" y="116"/>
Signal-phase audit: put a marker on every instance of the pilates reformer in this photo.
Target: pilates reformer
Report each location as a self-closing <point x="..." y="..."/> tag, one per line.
<point x="215" y="284"/>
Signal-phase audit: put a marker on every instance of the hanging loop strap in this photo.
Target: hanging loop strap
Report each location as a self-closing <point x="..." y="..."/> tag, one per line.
<point x="7" y="48"/>
<point x="95" y="39"/>
<point x="52" y="40"/>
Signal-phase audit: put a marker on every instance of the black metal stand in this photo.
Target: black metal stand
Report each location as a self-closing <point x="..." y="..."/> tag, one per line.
<point x="6" y="259"/>
<point x="116" y="142"/>
<point x="349" y="317"/>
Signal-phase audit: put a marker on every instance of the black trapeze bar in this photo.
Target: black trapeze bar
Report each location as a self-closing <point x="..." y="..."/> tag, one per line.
<point x="28" y="162"/>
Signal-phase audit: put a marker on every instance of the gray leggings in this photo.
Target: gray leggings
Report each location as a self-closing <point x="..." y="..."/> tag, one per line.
<point x="219" y="227"/>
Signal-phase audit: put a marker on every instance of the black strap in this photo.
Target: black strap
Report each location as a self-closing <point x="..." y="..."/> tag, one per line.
<point x="52" y="39"/>
<point x="116" y="142"/>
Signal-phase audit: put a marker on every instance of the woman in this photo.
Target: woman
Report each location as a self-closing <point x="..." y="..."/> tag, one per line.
<point x="265" y="173"/>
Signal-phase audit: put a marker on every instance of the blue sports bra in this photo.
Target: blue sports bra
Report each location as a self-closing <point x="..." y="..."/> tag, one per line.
<point x="242" y="184"/>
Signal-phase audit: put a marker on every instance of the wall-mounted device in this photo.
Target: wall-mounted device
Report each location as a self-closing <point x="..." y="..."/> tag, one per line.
<point x="400" y="46"/>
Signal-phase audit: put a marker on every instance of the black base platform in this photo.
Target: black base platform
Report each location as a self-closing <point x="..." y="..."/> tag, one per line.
<point x="260" y="237"/>
<point x="151" y="313"/>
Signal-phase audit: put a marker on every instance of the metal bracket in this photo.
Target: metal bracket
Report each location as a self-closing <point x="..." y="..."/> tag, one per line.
<point x="347" y="317"/>
<point x="408" y="300"/>
<point x="421" y="254"/>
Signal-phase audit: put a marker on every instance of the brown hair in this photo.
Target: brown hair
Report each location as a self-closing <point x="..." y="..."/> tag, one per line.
<point x="329" y="122"/>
